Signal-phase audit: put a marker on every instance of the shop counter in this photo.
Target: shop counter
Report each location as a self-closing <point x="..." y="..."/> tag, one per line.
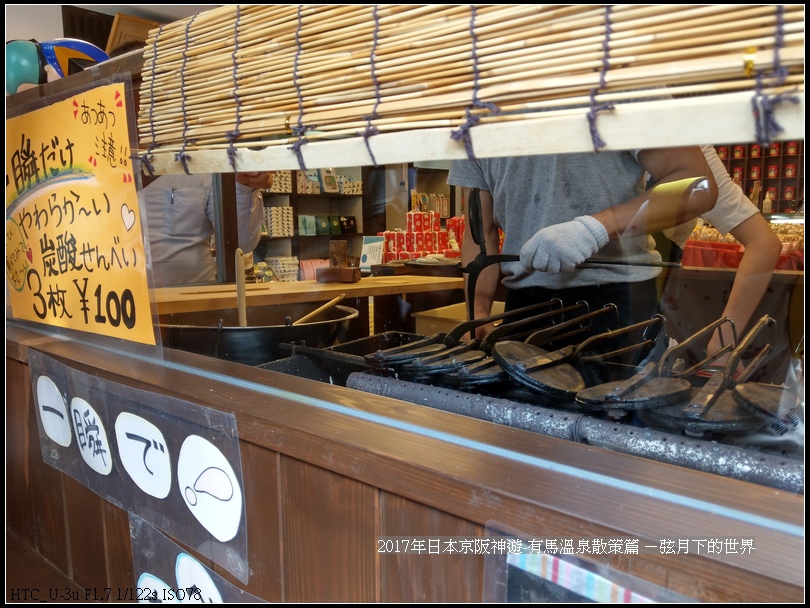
<point x="330" y="471"/>
<point x="391" y="312"/>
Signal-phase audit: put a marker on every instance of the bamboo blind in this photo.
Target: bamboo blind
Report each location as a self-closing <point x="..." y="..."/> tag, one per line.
<point x="286" y="75"/>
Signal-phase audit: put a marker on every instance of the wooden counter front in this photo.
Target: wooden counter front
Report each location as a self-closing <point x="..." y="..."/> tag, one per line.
<point x="330" y="470"/>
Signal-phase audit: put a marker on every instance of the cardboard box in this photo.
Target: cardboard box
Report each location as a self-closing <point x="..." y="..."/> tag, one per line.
<point x="446" y="318"/>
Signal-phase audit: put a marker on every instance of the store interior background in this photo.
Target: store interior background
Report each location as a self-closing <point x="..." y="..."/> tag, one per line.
<point x="45" y="23"/>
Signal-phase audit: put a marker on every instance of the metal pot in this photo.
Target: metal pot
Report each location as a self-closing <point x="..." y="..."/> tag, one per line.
<point x="217" y="333"/>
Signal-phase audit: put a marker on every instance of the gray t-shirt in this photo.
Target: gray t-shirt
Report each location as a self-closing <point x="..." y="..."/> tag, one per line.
<point x="532" y="192"/>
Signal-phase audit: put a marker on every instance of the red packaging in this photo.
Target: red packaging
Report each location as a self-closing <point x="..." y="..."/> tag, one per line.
<point x="451" y="253"/>
<point x="414" y="241"/>
<point x="394" y="240"/>
<point x="754" y="172"/>
<point x="773" y="171"/>
<point x="404" y="256"/>
<point x="443" y="240"/>
<point x="790" y="193"/>
<point x="790" y="171"/>
<point x="436" y="222"/>
<point x="431" y="241"/>
<point x="755" y="150"/>
<point x="722" y="152"/>
<point x="739" y="151"/>
<point x="774" y="149"/>
<point x="389" y="256"/>
<point x="455" y="228"/>
<point x="792" y="147"/>
<point x="736" y="173"/>
<point x="415" y="221"/>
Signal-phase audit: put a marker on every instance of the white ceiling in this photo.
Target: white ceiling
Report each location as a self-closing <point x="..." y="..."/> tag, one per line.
<point x="157" y="12"/>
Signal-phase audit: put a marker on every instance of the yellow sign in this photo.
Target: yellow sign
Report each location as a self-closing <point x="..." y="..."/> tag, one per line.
<point x="74" y="239"/>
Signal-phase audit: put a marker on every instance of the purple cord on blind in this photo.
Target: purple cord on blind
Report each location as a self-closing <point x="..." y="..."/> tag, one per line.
<point x="764" y="105"/>
<point x="299" y="130"/>
<point x="598" y="142"/>
<point x="182" y="156"/>
<point x="145" y="159"/>
<point x="232" y="136"/>
<point x="370" y="128"/>
<point x="463" y="132"/>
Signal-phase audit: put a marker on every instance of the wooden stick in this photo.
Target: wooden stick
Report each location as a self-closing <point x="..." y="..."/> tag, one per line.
<point x="319" y="310"/>
<point x="240" y="287"/>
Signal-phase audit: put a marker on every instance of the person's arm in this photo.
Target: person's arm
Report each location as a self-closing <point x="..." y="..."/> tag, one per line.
<point x="562" y="247"/>
<point x="250" y="206"/>
<point x="762" y="249"/>
<point x="633" y="217"/>
<point x="487" y="281"/>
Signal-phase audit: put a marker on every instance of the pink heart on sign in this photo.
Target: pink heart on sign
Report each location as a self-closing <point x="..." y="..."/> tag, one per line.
<point x="30" y="255"/>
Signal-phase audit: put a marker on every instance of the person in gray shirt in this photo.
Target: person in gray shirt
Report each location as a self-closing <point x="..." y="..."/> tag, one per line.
<point x="558" y="210"/>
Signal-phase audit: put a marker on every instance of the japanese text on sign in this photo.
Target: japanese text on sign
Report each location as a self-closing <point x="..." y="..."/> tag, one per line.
<point x="75" y="256"/>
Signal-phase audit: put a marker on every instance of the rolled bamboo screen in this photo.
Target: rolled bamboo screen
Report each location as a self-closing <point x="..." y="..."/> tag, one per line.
<point x="285" y="75"/>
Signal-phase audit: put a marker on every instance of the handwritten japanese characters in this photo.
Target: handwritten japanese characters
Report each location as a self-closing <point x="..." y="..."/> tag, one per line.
<point x="75" y="254"/>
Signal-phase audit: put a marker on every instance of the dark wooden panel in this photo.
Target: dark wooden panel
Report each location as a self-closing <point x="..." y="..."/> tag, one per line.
<point x="47" y="494"/>
<point x="84" y="511"/>
<point x="87" y="25"/>
<point x="19" y="510"/>
<point x="30" y="577"/>
<point x="260" y="466"/>
<point x="117" y="549"/>
<point x="330" y="535"/>
<point x="427" y="578"/>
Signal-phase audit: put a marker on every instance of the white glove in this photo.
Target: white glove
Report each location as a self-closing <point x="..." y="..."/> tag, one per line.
<point x="562" y="247"/>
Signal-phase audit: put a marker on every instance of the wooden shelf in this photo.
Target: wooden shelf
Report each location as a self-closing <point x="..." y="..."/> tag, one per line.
<point x="313" y="246"/>
<point x="749" y="163"/>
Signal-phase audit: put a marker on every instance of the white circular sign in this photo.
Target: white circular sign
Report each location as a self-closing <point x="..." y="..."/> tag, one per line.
<point x="53" y="411"/>
<point x="94" y="446"/>
<point x="209" y="487"/>
<point x="144" y="454"/>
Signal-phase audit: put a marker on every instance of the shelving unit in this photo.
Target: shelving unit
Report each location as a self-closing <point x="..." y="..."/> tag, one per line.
<point x="779" y="168"/>
<point x="323" y="204"/>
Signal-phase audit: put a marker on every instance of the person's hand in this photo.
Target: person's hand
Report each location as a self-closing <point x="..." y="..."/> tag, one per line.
<point x="258" y="180"/>
<point x="562" y="247"/>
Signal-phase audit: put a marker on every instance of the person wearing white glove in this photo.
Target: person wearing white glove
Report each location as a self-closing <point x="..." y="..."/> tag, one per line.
<point x="563" y="247"/>
<point x="556" y="211"/>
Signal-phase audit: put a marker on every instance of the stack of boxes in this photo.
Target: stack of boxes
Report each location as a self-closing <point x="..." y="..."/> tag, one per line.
<point x="285" y="268"/>
<point x="282" y="182"/>
<point x="349" y="185"/>
<point x="423" y="236"/>
<point x="308" y="182"/>
<point x="278" y="222"/>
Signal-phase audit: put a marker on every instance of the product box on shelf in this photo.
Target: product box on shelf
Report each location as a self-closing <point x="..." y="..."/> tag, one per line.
<point x="307" y="225"/>
<point x="322" y="225"/>
<point x="348" y="224"/>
